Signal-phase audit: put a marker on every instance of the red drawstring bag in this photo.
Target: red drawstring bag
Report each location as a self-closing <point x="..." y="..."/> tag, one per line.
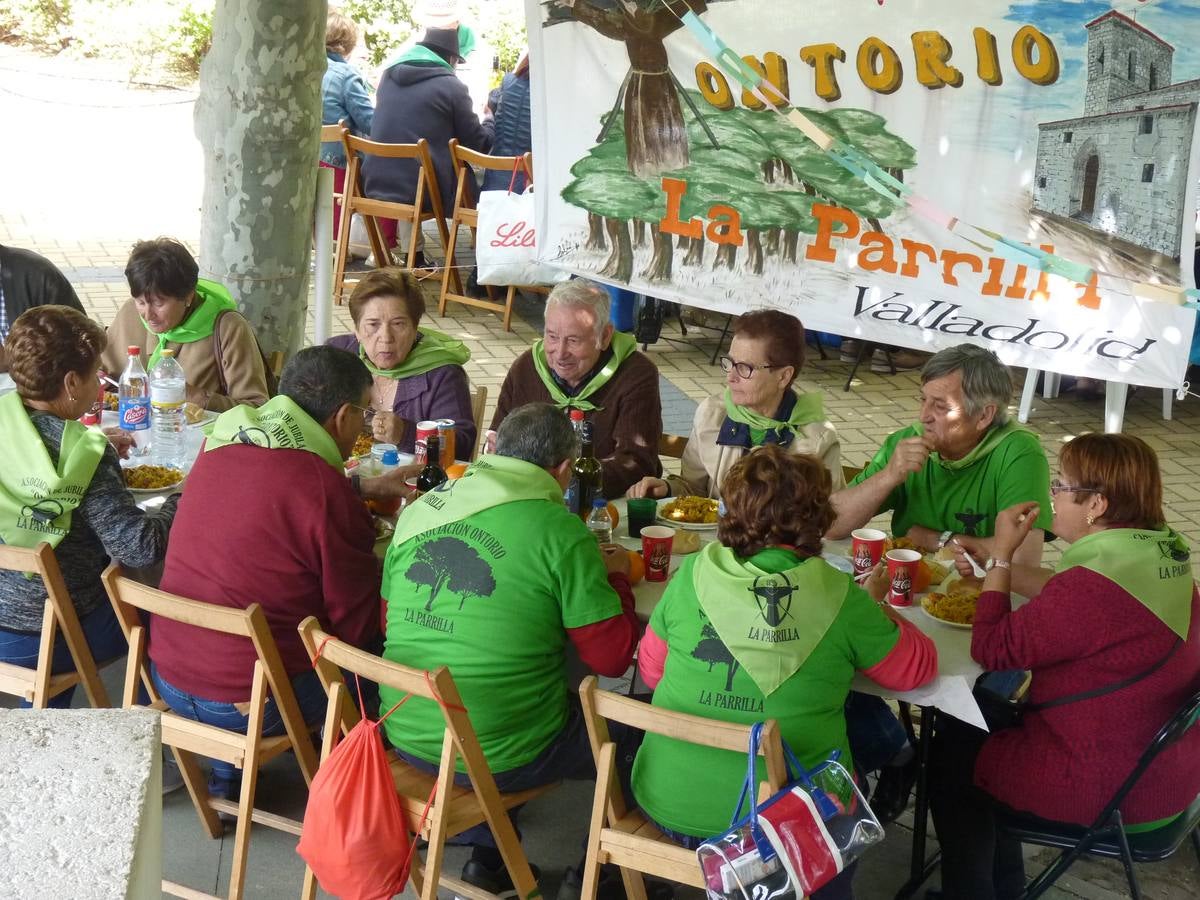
<point x="355" y="838"/>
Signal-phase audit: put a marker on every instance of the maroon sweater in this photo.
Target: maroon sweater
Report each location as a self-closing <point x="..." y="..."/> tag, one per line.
<point x="281" y="528"/>
<point x="1080" y="633"/>
<point x="626" y="425"/>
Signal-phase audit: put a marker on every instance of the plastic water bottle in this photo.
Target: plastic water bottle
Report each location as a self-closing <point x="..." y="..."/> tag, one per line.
<point x="599" y="522"/>
<point x="168" y="392"/>
<point x="133" y="408"/>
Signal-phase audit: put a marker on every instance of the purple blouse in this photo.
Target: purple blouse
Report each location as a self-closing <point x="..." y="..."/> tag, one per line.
<point x="441" y="393"/>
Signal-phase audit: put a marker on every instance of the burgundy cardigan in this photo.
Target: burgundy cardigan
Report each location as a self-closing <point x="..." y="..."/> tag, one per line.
<point x="281" y="528"/>
<point x="441" y="393"/>
<point x="1080" y="633"/>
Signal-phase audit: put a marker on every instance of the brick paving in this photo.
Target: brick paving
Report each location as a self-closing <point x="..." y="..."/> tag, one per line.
<point x="90" y="239"/>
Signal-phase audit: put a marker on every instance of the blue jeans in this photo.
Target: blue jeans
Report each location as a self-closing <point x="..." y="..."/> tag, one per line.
<point x="873" y="731"/>
<point x="101" y="631"/>
<point x="310" y="696"/>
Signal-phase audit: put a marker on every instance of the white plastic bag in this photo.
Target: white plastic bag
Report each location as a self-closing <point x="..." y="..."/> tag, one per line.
<point x="506" y="243"/>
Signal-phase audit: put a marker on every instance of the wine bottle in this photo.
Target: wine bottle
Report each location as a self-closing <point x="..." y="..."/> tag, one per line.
<point x="433" y="474"/>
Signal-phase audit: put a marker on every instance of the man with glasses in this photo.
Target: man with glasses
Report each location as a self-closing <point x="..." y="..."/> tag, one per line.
<point x="759" y="405"/>
<point x="944" y="479"/>
<point x="269" y="517"/>
<point x="582" y="364"/>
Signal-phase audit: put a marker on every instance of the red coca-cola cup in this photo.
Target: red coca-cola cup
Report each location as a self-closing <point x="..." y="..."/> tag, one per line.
<point x="866" y="548"/>
<point x="902" y="571"/>
<point x="656" y="551"/>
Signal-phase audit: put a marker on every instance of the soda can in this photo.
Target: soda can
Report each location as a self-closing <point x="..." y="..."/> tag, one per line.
<point x="446" y="436"/>
<point x="424" y="430"/>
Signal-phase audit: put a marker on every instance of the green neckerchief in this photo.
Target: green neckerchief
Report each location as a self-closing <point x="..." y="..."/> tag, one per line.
<point x="770" y="617"/>
<point x="432" y="351"/>
<point x="1152" y="565"/>
<point x="277" y="424"/>
<point x="623" y="346"/>
<point x="991" y="440"/>
<point x="807" y="409"/>
<point x="199" y="324"/>
<point x="417" y="53"/>
<point x="490" y="481"/>
<point x="37" y="497"/>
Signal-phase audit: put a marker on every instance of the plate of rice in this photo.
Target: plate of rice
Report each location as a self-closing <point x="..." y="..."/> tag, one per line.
<point x="955" y="607"/>
<point x="152" y="479"/>
<point x="691" y="513"/>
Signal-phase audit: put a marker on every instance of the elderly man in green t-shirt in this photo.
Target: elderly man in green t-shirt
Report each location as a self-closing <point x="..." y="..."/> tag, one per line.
<point x="946" y="477"/>
<point x="492" y="576"/>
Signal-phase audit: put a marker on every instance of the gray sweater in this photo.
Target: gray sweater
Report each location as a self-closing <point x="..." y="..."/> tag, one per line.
<point x="107" y="525"/>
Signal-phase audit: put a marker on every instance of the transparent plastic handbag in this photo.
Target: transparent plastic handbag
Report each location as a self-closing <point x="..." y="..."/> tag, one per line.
<point x="794" y="842"/>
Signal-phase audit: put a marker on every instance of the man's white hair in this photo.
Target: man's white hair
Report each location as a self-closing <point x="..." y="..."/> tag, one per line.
<point x="579" y="293"/>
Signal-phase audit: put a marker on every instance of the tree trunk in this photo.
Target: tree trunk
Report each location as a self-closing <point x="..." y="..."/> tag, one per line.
<point x="695" y="254"/>
<point x="754" y="251"/>
<point x="791" y="243"/>
<point x="655" y="136"/>
<point x="639" y="232"/>
<point x="772" y="247"/>
<point x="683" y="242"/>
<point x="874" y="223"/>
<point x="726" y="257"/>
<point x="664" y="252"/>
<point x="595" y="239"/>
<point x="620" y="260"/>
<point x="258" y="118"/>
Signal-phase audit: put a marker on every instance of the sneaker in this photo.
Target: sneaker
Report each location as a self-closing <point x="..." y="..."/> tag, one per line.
<point x="495" y="881"/>
<point x="895" y="784"/>
<point x="848" y="352"/>
<point x="901" y="360"/>
<point x="172" y="778"/>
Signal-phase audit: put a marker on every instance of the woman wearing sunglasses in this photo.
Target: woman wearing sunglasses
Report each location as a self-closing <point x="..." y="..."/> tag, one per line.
<point x="1111" y="639"/>
<point x="759" y="406"/>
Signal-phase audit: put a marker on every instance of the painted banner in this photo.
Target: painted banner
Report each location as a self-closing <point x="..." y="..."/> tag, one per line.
<point x="1018" y="175"/>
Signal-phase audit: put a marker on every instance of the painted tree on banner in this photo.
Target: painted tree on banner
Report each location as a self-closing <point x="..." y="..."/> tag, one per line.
<point x="655" y="132"/>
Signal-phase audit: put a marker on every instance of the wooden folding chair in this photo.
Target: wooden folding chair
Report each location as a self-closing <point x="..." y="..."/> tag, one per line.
<point x="436" y="807"/>
<point x="38" y="686"/>
<point x="330" y="133"/>
<point x="624" y="836"/>
<point x="188" y="738"/>
<point x="466" y="213"/>
<point x="672" y="445"/>
<point x="356" y="201"/>
<point x="478" y="404"/>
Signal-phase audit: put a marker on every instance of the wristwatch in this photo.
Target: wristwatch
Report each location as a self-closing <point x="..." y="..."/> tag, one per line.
<point x="997" y="564"/>
<point x="944" y="538"/>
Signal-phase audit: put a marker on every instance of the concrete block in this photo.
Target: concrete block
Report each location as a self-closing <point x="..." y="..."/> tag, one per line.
<point x="80" y="804"/>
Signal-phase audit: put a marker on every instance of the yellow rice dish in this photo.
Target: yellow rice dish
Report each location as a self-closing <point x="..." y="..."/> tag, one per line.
<point x="691" y="511"/>
<point x="152" y="478"/>
<point x="957" y="606"/>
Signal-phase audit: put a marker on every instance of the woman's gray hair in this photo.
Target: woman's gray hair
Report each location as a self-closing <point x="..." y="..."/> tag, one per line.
<point x="539" y="433"/>
<point x="582" y="294"/>
<point x="985" y="380"/>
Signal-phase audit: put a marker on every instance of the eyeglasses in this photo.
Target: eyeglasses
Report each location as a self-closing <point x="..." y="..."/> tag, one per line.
<point x="744" y="369"/>
<point x="1058" y="487"/>
<point x="368" y="413"/>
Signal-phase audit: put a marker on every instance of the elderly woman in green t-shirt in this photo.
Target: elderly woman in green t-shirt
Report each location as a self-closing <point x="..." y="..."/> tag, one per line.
<point x="757" y="626"/>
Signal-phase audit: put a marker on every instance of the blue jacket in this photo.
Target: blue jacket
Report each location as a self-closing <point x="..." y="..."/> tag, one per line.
<point x="514" y="134"/>
<point x="344" y="95"/>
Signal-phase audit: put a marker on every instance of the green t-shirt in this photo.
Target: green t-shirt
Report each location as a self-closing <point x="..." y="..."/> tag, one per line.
<point x="491" y="596"/>
<point x="692" y="789"/>
<point x="965" y="500"/>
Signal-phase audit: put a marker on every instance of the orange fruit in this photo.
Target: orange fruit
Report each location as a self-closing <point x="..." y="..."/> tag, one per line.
<point x="637" y="568"/>
<point x="614" y="515"/>
<point x="456" y="471"/>
<point x="922" y="578"/>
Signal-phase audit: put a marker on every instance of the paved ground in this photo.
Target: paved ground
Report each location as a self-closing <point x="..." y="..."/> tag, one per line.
<point x="98" y="165"/>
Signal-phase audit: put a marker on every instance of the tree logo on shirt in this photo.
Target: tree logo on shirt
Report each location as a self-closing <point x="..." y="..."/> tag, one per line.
<point x="450" y="564"/>
<point x="712" y="650"/>
<point x="970" y="521"/>
<point x="1175" y="550"/>
<point x="773" y="599"/>
<point x="255" y="437"/>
